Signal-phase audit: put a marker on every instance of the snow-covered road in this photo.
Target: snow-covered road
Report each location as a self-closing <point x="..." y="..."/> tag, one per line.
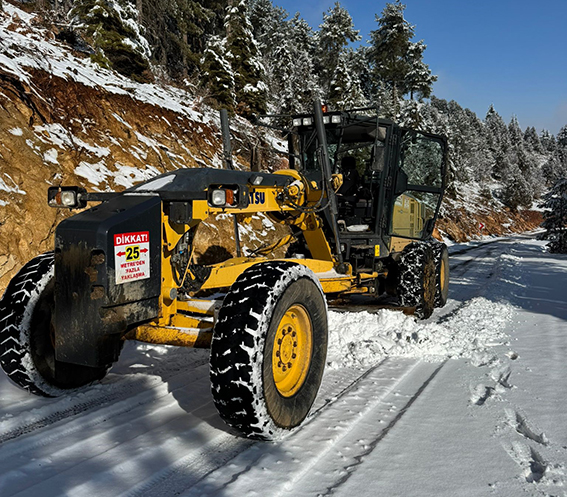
<point x="470" y="402"/>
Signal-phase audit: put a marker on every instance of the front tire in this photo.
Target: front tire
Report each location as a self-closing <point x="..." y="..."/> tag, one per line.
<point x="27" y="353"/>
<point x="269" y="349"/>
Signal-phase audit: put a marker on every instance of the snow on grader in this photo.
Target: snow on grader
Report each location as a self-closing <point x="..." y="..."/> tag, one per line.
<point x="360" y="198"/>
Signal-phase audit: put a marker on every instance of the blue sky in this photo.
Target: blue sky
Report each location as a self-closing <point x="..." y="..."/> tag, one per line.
<point x="509" y="53"/>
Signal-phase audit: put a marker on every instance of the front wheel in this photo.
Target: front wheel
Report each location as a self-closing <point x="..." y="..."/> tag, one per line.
<point x="269" y="349"/>
<point x="27" y="335"/>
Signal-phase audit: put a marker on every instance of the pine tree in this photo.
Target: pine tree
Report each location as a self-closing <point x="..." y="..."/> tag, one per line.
<point x="396" y="61"/>
<point x="244" y="57"/>
<point x="498" y="141"/>
<point x="517" y="192"/>
<point x="218" y="76"/>
<point x="268" y="25"/>
<point x="555" y="217"/>
<point x="548" y="141"/>
<point x="519" y="155"/>
<point x="419" y="80"/>
<point x="291" y="75"/>
<point x="111" y="28"/>
<point x="532" y="141"/>
<point x="346" y="88"/>
<point x="333" y="36"/>
<point x="553" y="170"/>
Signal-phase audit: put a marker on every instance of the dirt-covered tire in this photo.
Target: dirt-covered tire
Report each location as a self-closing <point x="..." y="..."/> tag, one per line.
<point x="441" y="255"/>
<point x="416" y="283"/>
<point x="27" y="354"/>
<point x="269" y="349"/>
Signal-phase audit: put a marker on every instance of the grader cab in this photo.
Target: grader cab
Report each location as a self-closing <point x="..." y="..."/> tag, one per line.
<point x="360" y="199"/>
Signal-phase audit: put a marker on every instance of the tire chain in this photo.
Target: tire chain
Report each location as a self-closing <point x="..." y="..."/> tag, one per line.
<point x="413" y="273"/>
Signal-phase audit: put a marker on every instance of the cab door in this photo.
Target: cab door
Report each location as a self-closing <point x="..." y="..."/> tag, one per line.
<point x="419" y="184"/>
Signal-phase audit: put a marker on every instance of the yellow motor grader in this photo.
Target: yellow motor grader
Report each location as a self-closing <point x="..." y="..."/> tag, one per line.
<point x="360" y="197"/>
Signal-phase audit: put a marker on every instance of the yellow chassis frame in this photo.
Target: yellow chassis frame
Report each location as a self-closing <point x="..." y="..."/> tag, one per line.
<point x="190" y="323"/>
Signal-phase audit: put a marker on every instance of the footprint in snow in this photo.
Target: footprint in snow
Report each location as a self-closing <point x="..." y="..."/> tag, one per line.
<point x="480" y="394"/>
<point x="517" y="421"/>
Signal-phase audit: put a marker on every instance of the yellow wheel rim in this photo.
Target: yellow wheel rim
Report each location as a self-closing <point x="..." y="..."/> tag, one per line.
<point x="291" y="355"/>
<point x="443" y="275"/>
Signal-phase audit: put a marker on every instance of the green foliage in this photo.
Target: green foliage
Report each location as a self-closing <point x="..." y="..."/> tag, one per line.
<point x="334" y="34"/>
<point x="106" y="25"/>
<point x="243" y="55"/>
<point x="555" y="217"/>
<point x="218" y="75"/>
<point x="396" y="61"/>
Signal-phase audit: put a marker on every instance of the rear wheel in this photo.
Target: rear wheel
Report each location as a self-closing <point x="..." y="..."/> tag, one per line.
<point x="269" y="348"/>
<point x="27" y="335"/>
<point x="417" y="276"/>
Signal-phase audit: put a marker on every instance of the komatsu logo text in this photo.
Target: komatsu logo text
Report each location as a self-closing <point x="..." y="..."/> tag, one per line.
<point x="257" y="198"/>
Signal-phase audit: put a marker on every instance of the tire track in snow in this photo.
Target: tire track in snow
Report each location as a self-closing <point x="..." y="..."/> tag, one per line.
<point x="340" y="426"/>
<point x="119" y="391"/>
<point x="112" y="445"/>
<point x="174" y="480"/>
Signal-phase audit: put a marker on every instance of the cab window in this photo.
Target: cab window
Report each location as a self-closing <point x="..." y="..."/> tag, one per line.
<point x="422" y="160"/>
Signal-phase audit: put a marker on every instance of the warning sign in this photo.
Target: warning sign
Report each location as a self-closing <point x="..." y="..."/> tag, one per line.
<point x="132" y="256"/>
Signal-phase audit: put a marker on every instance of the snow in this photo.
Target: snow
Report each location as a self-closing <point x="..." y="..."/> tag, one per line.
<point x="469" y="402"/>
<point x="7" y="184"/>
<point x="29" y="47"/>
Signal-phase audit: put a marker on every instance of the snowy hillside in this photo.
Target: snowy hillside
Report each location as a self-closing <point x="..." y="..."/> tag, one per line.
<point x="65" y="120"/>
<point x="468" y="403"/>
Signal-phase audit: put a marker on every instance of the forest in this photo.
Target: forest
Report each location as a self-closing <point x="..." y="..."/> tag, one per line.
<point x="253" y="57"/>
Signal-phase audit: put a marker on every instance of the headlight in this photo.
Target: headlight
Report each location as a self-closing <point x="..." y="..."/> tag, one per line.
<point x="297" y="121"/>
<point x="326" y="119"/>
<point x="68" y="199"/>
<point x="336" y="119"/>
<point x="307" y="121"/>
<point x="218" y="198"/>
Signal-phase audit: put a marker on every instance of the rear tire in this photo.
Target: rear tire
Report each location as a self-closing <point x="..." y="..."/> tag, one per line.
<point x="27" y="353"/>
<point x="417" y="276"/>
<point x="269" y="349"/>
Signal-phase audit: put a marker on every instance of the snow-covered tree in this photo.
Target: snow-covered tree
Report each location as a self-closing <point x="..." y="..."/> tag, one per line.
<point x="290" y="69"/>
<point x="111" y="27"/>
<point x="396" y="61"/>
<point x="346" y="88"/>
<point x="498" y="141"/>
<point x="419" y="80"/>
<point x="548" y="141"/>
<point x="555" y="217"/>
<point x="242" y="52"/>
<point x="553" y="170"/>
<point x="517" y="191"/>
<point x="268" y="25"/>
<point x="218" y="75"/>
<point x="532" y="141"/>
<point x="333" y="36"/>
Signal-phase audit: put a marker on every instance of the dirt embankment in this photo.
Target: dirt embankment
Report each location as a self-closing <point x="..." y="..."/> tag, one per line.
<point x="59" y="132"/>
<point x="461" y="225"/>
